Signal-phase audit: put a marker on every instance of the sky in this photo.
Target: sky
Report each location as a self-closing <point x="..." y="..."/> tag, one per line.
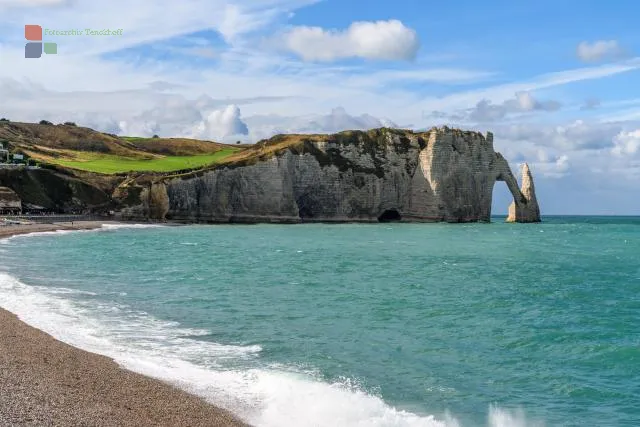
<point x="557" y="82"/>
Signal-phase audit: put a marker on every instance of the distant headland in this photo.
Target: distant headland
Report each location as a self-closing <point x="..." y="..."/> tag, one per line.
<point x="380" y="175"/>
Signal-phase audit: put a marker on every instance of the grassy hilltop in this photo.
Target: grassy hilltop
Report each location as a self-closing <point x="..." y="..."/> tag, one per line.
<point x="88" y="171"/>
<point x="84" y="149"/>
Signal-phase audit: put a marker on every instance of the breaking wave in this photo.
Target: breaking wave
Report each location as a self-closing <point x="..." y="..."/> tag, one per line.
<point x="264" y="396"/>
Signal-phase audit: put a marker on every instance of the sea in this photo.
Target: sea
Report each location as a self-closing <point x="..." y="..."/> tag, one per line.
<point x="447" y="325"/>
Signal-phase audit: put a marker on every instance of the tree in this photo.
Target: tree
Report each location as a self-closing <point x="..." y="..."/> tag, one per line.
<point x="156" y="136"/>
<point x="45" y="122"/>
<point x="4" y="119"/>
<point x="69" y="124"/>
<point x="237" y="142"/>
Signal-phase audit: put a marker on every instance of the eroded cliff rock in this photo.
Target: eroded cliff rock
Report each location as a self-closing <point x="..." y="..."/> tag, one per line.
<point x="379" y="175"/>
<point x="528" y="209"/>
<point x="55" y="191"/>
<point x="143" y="199"/>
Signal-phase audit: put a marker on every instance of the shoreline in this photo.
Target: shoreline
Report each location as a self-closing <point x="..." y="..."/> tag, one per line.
<point x="44" y="381"/>
<point x="41" y="227"/>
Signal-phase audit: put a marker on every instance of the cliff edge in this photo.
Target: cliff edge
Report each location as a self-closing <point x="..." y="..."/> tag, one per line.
<point x="380" y="175"/>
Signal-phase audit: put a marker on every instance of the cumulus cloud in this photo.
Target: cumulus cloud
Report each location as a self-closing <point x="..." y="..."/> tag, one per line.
<point x="181" y="118"/>
<point x="576" y="135"/>
<point x="545" y="162"/>
<point x="593" y="151"/>
<point x="192" y="119"/>
<point x="170" y="116"/>
<point x="222" y="124"/>
<point x="137" y="128"/>
<point x="598" y="50"/>
<point x="552" y="167"/>
<point x="386" y="40"/>
<point x="264" y="126"/>
<point x="627" y="143"/>
<point x="486" y="111"/>
<point x="339" y="120"/>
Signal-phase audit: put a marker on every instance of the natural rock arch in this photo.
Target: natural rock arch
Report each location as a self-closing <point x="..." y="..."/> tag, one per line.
<point x="439" y="175"/>
<point x="524" y="207"/>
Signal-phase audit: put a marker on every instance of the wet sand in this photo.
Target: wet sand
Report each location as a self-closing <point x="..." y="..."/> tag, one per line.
<point x="16" y="229"/>
<point x="45" y="382"/>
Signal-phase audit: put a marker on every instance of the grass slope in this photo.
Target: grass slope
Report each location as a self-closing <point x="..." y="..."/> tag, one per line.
<point x="85" y="149"/>
<point x="88" y="150"/>
<point x="108" y="164"/>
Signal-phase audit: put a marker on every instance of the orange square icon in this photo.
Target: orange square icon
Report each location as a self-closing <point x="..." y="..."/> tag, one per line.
<point x="33" y="32"/>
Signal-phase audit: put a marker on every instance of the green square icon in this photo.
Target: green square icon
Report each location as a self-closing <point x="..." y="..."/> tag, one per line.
<point x="51" y="48"/>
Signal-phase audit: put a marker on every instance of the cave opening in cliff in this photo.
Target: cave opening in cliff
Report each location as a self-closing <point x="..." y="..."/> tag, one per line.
<point x="390" y="215"/>
<point x="305" y="212"/>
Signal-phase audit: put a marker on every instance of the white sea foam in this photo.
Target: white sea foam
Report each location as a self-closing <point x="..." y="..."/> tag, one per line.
<point x="499" y="417"/>
<point x="121" y="226"/>
<point x="39" y="233"/>
<point x="264" y="397"/>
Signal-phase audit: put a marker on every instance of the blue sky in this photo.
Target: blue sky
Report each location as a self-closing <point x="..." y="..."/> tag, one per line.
<point x="557" y="82"/>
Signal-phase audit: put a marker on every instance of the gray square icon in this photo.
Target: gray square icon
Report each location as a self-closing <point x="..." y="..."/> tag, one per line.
<point x="33" y="50"/>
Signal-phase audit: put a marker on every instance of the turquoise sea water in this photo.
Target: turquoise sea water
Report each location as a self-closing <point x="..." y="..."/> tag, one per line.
<point x="356" y="325"/>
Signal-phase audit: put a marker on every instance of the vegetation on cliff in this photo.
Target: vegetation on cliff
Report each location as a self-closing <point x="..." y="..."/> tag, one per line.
<point x="350" y="175"/>
<point x="84" y="149"/>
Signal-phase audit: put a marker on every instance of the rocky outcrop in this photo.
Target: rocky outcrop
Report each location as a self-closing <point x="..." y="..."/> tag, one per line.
<point x="56" y="192"/>
<point x="9" y="201"/>
<point x="158" y="201"/>
<point x="526" y="210"/>
<point x="143" y="199"/>
<point x="380" y="175"/>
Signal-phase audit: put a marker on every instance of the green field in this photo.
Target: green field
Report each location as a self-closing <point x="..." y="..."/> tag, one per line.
<point x="110" y="164"/>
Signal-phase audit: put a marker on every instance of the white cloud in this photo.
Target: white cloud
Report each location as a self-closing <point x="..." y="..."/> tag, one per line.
<point x="599" y="50"/>
<point x="222" y="124"/>
<point x="485" y="111"/>
<point x="264" y="126"/>
<point x="176" y="117"/>
<point x="137" y="128"/>
<point x="627" y="143"/>
<point x="573" y="136"/>
<point x="554" y="167"/>
<point x="457" y="101"/>
<point x="386" y="40"/>
<point x="526" y="102"/>
<point x="339" y="120"/>
<point x="545" y="162"/>
<point x="144" y="23"/>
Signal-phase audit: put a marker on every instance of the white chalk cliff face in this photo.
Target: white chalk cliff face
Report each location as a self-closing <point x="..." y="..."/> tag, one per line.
<point x="529" y="211"/>
<point x="379" y="175"/>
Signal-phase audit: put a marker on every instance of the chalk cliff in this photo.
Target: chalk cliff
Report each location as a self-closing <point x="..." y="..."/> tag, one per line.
<point x="527" y="211"/>
<point x="380" y="175"/>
